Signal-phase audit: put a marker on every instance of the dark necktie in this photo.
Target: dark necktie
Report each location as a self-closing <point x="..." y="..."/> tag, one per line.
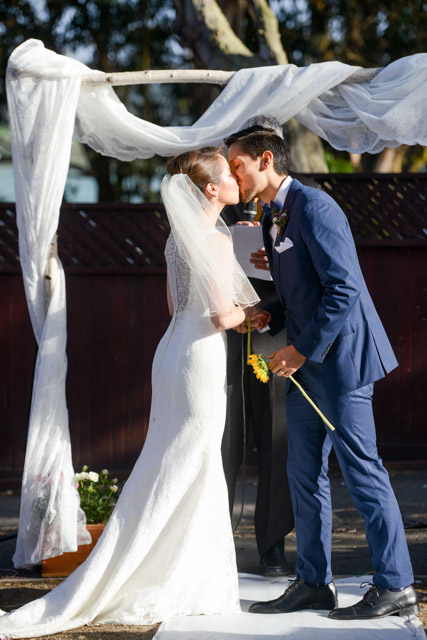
<point x="268" y="209"/>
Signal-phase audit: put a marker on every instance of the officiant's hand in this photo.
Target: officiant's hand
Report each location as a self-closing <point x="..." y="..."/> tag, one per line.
<point x="286" y="361"/>
<point x="259" y="260"/>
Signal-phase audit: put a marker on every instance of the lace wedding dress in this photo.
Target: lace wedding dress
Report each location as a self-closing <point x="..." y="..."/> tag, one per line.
<point x="168" y="549"/>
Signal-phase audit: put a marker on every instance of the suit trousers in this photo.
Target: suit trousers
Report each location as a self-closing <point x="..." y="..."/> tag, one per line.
<point x="264" y="404"/>
<point x="354" y="442"/>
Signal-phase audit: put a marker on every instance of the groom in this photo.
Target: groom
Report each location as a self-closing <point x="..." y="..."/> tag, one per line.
<point x="337" y="348"/>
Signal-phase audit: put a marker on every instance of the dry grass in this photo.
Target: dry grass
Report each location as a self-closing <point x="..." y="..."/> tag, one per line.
<point x="14" y="594"/>
<point x="422" y="596"/>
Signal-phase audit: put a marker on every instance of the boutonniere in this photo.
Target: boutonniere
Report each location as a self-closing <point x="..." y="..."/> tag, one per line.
<point x="279" y="216"/>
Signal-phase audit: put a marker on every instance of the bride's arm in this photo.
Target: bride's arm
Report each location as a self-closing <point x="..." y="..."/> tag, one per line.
<point x="231" y="319"/>
<point x="169" y="297"/>
<point x="229" y="316"/>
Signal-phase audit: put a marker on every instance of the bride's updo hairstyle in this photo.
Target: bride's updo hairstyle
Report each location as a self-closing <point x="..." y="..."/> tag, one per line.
<point x="200" y="165"/>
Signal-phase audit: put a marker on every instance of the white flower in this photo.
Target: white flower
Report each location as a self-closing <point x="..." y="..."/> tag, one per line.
<point x="93" y="476"/>
<point x="104" y="472"/>
<point x="114" y="488"/>
<point x="81" y="476"/>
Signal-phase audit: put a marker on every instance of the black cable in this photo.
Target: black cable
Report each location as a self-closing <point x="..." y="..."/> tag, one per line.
<point x="8" y="536"/>
<point x="242" y="381"/>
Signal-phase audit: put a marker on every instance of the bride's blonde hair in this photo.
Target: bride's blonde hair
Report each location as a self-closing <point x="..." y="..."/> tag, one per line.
<point x="200" y="165"/>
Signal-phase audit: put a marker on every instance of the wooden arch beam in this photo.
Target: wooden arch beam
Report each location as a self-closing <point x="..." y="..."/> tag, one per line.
<point x="204" y="76"/>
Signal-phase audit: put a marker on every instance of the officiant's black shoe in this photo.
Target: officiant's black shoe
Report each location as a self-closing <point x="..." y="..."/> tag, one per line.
<point x="379" y="603"/>
<point x="274" y="563"/>
<point x="299" y="596"/>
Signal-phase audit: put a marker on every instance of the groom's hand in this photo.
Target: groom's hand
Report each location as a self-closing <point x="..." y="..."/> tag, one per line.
<point x="286" y="361"/>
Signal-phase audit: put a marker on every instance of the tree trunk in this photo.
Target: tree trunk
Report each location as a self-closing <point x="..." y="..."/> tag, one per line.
<point x="391" y="160"/>
<point x="306" y="149"/>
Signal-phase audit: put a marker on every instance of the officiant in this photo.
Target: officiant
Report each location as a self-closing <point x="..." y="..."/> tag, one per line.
<point x="264" y="413"/>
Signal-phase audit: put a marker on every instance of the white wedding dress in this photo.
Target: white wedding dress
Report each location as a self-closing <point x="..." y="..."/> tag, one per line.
<point x="168" y="549"/>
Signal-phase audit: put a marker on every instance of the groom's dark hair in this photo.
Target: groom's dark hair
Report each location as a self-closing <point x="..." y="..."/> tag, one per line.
<point x="257" y="139"/>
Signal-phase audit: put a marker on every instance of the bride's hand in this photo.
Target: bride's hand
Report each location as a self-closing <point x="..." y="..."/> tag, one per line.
<point x="259" y="320"/>
<point x="242" y="328"/>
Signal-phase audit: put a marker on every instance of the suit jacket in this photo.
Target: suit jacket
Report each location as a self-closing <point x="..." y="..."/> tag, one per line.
<point x="322" y="296"/>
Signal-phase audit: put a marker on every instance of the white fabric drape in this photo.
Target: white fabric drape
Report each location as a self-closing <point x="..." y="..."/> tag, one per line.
<point x="41" y="154"/>
<point x="45" y="98"/>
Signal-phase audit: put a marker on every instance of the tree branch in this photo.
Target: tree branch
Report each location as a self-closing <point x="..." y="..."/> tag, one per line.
<point x="204" y="28"/>
<point x="270" y="44"/>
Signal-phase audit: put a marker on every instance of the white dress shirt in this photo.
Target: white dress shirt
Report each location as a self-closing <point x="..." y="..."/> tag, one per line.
<point x="279" y="200"/>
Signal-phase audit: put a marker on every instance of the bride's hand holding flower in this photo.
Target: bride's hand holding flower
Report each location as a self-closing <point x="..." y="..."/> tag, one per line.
<point x="259" y="320"/>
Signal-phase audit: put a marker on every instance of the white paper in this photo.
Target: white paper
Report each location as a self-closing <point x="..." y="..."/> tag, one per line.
<point x="247" y="240"/>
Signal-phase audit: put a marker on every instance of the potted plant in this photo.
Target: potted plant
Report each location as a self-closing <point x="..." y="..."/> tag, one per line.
<point x="98" y="496"/>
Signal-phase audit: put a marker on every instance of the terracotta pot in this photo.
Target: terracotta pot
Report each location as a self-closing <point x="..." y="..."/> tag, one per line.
<point x="61" y="566"/>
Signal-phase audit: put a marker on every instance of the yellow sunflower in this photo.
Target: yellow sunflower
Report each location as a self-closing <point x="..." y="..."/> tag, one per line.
<point x="260" y="367"/>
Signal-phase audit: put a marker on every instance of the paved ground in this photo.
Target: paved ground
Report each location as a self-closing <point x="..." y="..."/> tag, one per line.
<point x="350" y="550"/>
<point x="349" y="553"/>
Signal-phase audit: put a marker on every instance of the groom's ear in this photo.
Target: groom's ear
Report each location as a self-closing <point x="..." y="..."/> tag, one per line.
<point x="266" y="160"/>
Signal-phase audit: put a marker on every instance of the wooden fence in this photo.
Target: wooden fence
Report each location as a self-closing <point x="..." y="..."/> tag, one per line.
<point x="116" y="314"/>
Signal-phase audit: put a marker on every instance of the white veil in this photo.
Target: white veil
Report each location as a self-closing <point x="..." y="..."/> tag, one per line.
<point x="204" y="242"/>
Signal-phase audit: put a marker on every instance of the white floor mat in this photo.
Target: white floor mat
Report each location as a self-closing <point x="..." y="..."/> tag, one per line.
<point x="303" y="625"/>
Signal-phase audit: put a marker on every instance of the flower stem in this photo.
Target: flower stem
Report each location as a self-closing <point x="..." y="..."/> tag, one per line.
<point x="249" y="339"/>
<point x="325" y="420"/>
<point x="316" y="408"/>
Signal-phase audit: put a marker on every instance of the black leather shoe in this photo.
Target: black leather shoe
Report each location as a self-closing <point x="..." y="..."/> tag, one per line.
<point x="379" y="603"/>
<point x="299" y="596"/>
<point x="274" y="563"/>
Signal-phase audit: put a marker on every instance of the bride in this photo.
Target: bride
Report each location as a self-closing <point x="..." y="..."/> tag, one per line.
<point x="168" y="549"/>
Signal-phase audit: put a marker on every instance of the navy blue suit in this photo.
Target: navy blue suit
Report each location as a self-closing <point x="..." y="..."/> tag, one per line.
<point x="330" y="318"/>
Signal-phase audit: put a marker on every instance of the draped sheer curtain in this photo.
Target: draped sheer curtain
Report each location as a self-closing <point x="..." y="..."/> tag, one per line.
<point x="47" y="103"/>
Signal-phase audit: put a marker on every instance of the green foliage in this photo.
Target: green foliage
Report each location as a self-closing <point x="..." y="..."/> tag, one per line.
<point x="369" y="33"/>
<point x="338" y="163"/>
<point x="98" y="495"/>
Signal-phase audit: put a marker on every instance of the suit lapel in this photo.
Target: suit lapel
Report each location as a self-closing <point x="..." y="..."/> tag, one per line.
<point x="266" y="226"/>
<point x="288" y="205"/>
<point x="290" y="196"/>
